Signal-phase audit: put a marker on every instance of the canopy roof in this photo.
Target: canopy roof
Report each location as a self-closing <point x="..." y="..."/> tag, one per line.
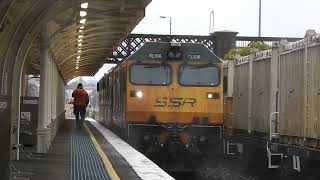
<point x="81" y="48"/>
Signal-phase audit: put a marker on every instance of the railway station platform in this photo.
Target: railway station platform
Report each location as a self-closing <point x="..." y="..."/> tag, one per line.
<point x="90" y="153"/>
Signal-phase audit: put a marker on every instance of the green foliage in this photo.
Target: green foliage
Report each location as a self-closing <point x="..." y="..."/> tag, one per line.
<point x="244" y="51"/>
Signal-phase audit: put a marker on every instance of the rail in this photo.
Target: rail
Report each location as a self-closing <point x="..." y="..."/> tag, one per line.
<point x="243" y="41"/>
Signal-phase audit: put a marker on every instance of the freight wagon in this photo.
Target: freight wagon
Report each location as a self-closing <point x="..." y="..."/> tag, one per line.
<point x="274" y="110"/>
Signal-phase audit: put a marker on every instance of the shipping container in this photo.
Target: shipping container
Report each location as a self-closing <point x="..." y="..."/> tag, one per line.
<point x="291" y="93"/>
<point x="300" y="91"/>
<point x="261" y="94"/>
<point x="241" y="86"/>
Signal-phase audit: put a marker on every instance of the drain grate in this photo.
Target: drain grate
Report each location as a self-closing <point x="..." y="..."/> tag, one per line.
<point x="86" y="163"/>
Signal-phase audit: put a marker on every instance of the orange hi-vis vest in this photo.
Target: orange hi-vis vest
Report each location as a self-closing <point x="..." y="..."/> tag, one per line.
<point x="81" y="98"/>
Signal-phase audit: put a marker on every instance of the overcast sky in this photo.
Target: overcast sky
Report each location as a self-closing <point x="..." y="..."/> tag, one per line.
<point x="279" y="17"/>
<point x="290" y="18"/>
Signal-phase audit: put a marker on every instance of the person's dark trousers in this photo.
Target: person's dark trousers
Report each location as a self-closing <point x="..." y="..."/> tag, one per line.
<point x="80" y="113"/>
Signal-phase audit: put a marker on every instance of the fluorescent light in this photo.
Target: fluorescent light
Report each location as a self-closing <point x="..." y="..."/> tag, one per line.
<point x="82" y="21"/>
<point x="79" y="44"/>
<point x="79" y="51"/>
<point x="78" y="57"/>
<point x="81" y="27"/>
<point x="80" y="30"/>
<point x="83" y="13"/>
<point x="84" y="5"/>
<point x="80" y="36"/>
<point x="77" y="67"/>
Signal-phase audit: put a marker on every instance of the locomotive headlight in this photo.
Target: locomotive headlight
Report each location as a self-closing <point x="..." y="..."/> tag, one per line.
<point x="212" y="95"/>
<point x="139" y="94"/>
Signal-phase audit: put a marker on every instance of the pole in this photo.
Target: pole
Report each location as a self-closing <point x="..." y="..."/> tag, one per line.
<point x="170" y="24"/>
<point x="165" y="17"/>
<point x="211" y="22"/>
<point x="259" y="18"/>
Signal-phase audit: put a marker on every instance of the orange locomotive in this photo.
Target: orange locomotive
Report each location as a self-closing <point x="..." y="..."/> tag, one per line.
<point x="165" y="94"/>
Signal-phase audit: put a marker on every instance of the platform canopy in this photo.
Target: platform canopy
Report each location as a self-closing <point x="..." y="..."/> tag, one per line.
<point x="84" y="35"/>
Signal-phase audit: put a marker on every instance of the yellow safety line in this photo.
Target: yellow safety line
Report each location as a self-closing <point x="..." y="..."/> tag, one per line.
<point x="103" y="156"/>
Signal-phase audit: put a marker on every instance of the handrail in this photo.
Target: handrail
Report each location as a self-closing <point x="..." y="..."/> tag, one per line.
<point x="270" y="127"/>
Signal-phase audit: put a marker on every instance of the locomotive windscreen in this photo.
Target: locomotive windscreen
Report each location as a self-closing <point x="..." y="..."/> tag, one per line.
<point x="150" y="74"/>
<point x="193" y="75"/>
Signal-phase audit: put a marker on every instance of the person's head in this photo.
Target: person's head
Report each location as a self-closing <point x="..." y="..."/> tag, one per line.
<point x="80" y="86"/>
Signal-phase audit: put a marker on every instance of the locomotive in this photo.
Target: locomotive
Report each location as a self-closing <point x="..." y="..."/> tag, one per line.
<point x="165" y="95"/>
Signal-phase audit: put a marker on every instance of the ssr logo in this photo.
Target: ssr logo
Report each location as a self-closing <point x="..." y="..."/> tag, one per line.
<point x="175" y="102"/>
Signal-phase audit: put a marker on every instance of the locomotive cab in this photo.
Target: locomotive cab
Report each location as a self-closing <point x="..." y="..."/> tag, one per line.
<point x="174" y="95"/>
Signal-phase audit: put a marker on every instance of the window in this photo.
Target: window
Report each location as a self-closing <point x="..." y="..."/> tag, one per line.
<point x="150" y="74"/>
<point x="195" y="75"/>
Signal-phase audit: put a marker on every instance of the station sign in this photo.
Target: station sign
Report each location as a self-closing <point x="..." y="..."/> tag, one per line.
<point x="28" y="101"/>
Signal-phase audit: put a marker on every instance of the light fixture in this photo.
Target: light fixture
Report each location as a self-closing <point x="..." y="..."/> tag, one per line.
<point x="210" y="96"/>
<point x="81" y="28"/>
<point x="84" y="5"/>
<point x="83" y="13"/>
<point x="82" y="21"/>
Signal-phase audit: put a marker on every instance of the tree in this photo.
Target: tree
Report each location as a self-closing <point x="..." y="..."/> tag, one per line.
<point x="244" y="51"/>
